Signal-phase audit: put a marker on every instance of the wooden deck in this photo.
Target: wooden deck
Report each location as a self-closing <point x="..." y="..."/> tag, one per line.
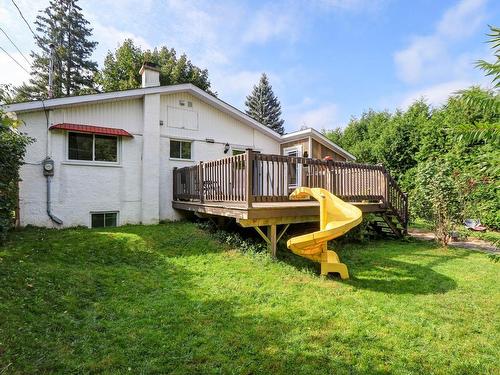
<point x="254" y="189"/>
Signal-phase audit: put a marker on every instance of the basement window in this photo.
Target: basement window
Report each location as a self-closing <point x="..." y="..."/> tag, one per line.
<point x="180" y="149"/>
<point x="92" y="147"/>
<point x="104" y="219"/>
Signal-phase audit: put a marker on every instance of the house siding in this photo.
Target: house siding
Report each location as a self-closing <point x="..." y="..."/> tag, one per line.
<point x="140" y="187"/>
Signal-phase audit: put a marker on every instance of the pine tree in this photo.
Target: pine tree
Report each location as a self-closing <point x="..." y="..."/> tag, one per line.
<point x="62" y="23"/>
<point x="263" y="106"/>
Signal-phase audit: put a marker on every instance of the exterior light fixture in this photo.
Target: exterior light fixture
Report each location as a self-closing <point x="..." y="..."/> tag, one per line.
<point x="226" y="148"/>
<point x="209" y="140"/>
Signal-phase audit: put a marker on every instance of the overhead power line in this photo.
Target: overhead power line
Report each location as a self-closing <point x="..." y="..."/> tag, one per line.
<point x="17" y="62"/>
<point x="24" y="19"/>
<point x="14" y="44"/>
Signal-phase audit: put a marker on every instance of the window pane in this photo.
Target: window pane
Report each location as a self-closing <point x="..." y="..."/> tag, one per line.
<point x="110" y="219"/>
<point x="80" y="146"/>
<point x="106" y="148"/>
<point x="175" y="149"/>
<point x="97" y="220"/>
<point x="186" y="150"/>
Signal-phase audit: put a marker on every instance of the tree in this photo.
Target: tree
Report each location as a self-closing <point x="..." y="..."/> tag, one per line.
<point x="7" y="93"/>
<point x="492" y="69"/>
<point x="361" y="136"/>
<point x="263" y="106"/>
<point x="486" y="101"/>
<point x="12" y="149"/>
<point x="437" y="196"/>
<point x="121" y="68"/>
<point x="399" y="140"/>
<point x="62" y="24"/>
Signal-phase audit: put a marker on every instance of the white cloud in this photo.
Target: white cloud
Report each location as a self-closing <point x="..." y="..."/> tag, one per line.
<point x="413" y="61"/>
<point x="463" y="19"/>
<point x="351" y="4"/>
<point x="321" y="117"/>
<point x="9" y="69"/>
<point x="435" y="95"/>
<point x="428" y="57"/>
<point x="109" y="38"/>
<point x="237" y="85"/>
<point x="271" y="23"/>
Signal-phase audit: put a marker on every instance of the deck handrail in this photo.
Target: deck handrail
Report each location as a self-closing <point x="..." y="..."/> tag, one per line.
<point x="255" y="177"/>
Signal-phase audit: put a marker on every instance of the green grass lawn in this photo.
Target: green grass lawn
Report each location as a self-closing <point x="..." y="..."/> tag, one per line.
<point x="170" y="299"/>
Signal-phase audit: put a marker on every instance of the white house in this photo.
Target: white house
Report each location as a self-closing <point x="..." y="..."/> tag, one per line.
<point x="107" y="159"/>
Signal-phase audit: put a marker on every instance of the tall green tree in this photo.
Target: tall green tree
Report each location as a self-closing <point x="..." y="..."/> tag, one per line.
<point x="399" y="140"/>
<point x="62" y="24"/>
<point x="121" y="68"/>
<point x="263" y="106"/>
<point x="492" y="69"/>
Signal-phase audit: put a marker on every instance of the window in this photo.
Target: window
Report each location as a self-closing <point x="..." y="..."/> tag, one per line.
<point x="180" y="149"/>
<point x="104" y="219"/>
<point x="92" y="147"/>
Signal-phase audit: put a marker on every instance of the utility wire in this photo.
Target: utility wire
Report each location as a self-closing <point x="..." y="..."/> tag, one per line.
<point x="14" y="44"/>
<point x="17" y="62"/>
<point x="24" y="19"/>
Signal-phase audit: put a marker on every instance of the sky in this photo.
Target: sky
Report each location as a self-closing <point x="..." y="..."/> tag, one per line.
<point x="327" y="60"/>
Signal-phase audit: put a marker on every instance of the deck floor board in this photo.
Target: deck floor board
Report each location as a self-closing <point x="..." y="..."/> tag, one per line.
<point x="302" y="211"/>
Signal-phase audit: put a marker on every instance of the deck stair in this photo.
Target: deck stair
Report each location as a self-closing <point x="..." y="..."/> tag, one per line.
<point x="388" y="224"/>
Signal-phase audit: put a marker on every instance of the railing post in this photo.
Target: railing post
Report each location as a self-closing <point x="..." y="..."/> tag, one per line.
<point x="175" y="184"/>
<point x="200" y="182"/>
<point x="406" y="219"/>
<point x="249" y="176"/>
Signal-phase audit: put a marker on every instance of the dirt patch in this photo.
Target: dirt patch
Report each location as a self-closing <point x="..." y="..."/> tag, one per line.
<point x="470" y="243"/>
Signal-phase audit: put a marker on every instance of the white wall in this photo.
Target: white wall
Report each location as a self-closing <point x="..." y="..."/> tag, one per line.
<point x="211" y="123"/>
<point x="79" y="188"/>
<point x="140" y="187"/>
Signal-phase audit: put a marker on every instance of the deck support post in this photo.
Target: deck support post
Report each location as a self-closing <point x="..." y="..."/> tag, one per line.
<point x="271" y="234"/>
<point x="249" y="176"/>
<point x="271" y="238"/>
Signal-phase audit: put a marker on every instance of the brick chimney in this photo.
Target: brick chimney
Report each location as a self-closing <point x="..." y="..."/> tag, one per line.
<point x="150" y="74"/>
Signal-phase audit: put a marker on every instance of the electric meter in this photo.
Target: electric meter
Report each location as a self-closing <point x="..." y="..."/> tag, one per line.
<point x="48" y="167"/>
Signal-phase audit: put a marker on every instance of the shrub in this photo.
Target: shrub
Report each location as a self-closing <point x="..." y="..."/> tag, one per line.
<point x="437" y="197"/>
<point x="12" y="150"/>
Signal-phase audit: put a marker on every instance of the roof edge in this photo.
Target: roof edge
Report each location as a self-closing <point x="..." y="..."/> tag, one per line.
<point x="138" y="93"/>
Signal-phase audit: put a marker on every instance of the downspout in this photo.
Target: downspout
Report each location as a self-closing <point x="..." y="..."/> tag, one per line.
<point x="53" y="217"/>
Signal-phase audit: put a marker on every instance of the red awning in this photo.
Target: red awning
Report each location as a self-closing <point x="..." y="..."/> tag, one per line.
<point x="91" y="129"/>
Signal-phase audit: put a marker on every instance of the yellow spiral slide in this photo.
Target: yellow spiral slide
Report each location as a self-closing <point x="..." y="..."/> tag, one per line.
<point x="336" y="218"/>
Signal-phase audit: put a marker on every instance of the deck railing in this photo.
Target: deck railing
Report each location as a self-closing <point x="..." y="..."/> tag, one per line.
<point x="254" y="177"/>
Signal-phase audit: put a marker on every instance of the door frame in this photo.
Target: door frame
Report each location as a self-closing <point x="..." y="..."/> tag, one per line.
<point x="298" y="149"/>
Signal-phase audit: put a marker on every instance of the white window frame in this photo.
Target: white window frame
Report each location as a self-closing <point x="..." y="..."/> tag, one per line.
<point x="94" y="162"/>
<point x="190" y="141"/>
<point x="104" y="212"/>
<point x="299" y="150"/>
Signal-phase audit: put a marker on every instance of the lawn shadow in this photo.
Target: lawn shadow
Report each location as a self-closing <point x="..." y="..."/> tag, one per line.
<point x="118" y="316"/>
<point x="379" y="270"/>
